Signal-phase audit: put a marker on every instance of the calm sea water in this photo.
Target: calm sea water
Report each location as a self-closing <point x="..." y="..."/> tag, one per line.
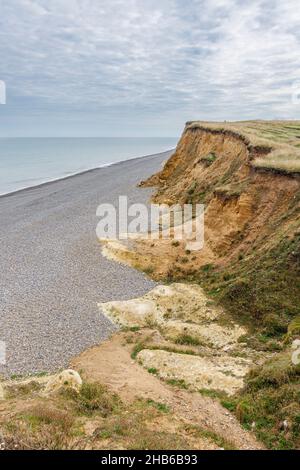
<point x="31" y="161"/>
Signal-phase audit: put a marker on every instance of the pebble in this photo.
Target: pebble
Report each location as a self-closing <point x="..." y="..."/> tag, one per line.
<point x="52" y="271"/>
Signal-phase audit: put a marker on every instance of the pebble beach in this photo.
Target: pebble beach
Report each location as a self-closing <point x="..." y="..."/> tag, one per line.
<point x="52" y="272"/>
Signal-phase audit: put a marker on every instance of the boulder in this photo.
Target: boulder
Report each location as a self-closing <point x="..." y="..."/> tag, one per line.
<point x="66" y="379"/>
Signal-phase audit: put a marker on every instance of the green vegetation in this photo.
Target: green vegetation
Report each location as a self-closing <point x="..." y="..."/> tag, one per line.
<point x="40" y="427"/>
<point x="19" y="390"/>
<point x="133" y="329"/>
<point x="294" y="327"/>
<point x="212" y="436"/>
<point x="209" y="159"/>
<point x="261" y="290"/>
<point x="137" y="348"/>
<point x="93" y="398"/>
<point x="278" y="140"/>
<point x="192" y="188"/>
<point x="172" y="349"/>
<point x="180" y="383"/>
<point x="65" y="423"/>
<point x="159" y="406"/>
<point x="256" y="270"/>
<point x="153" y="370"/>
<point x="233" y="189"/>
<point x="270" y="403"/>
<point x="149" y="270"/>
<point x="283" y="163"/>
<point x="188" y="340"/>
<point x="206" y="392"/>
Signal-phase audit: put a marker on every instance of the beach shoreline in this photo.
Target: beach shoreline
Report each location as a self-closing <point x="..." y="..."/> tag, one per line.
<point x="79" y="173"/>
<point x="53" y="272"/>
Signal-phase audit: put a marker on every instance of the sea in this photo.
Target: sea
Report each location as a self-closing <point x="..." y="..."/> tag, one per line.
<point x="27" y="162"/>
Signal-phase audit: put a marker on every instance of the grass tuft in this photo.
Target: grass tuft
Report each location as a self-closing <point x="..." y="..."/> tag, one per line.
<point x="271" y="397"/>
<point x="188" y="340"/>
<point x="94" y="398"/>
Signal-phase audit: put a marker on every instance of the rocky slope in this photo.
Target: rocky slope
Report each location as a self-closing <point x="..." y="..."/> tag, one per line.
<point x="252" y="217"/>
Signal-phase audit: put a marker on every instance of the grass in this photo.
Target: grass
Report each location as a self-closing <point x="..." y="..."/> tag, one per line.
<point x="267" y="288"/>
<point x="159" y="406"/>
<point x="180" y="383"/>
<point x="148" y="270"/>
<point x="133" y="329"/>
<point x="232" y="190"/>
<point x="132" y="429"/>
<point x="171" y="349"/>
<point x="184" y="339"/>
<point x="93" y="398"/>
<point x="294" y="328"/>
<point x="18" y="390"/>
<point x="212" y="393"/>
<point x="40" y="427"/>
<point x="192" y="188"/>
<point x="271" y="396"/>
<point x="59" y="423"/>
<point x="261" y="291"/>
<point x="209" y="159"/>
<point x="278" y="140"/>
<point x="137" y="348"/>
<point x="45" y="415"/>
<point x="283" y="163"/>
<point x="211" y="436"/>
<point x="207" y="268"/>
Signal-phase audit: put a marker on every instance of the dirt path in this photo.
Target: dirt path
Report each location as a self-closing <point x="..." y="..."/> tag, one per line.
<point x="111" y="364"/>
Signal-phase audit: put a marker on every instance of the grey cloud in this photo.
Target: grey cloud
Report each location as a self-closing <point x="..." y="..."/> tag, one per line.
<point x="216" y="59"/>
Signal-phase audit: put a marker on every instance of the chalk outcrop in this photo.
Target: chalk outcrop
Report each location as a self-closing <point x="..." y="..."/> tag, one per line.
<point x="66" y="379"/>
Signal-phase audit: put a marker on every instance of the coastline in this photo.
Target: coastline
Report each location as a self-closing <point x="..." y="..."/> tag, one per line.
<point x="67" y="330"/>
<point x="53" y="272"/>
<point x="81" y="172"/>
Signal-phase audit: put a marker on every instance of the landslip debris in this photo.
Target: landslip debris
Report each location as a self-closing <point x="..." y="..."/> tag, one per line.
<point x="183" y="314"/>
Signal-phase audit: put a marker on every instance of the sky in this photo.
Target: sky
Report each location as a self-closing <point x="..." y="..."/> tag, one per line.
<point x="145" y="67"/>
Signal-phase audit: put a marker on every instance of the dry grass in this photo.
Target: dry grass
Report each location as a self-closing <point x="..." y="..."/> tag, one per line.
<point x="96" y="418"/>
<point x="41" y="427"/>
<point x="282" y="163"/>
<point x="93" y="398"/>
<point x="278" y="139"/>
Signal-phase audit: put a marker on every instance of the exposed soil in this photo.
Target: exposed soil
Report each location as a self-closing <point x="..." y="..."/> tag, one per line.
<point x="111" y="363"/>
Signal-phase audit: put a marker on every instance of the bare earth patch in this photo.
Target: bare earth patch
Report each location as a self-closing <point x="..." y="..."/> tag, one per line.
<point x="111" y="363"/>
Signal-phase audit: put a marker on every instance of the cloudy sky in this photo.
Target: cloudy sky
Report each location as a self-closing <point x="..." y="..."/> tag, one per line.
<point x="144" y="67"/>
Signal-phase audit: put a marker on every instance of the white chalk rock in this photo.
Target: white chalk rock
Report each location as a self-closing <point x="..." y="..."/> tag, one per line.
<point x="66" y="379"/>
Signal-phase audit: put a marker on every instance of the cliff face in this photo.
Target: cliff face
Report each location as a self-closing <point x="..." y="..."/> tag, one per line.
<point x="252" y="218"/>
<point x="248" y="177"/>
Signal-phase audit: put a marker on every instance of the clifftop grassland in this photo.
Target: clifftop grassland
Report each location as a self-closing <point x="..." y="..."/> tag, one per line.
<point x="277" y="141"/>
